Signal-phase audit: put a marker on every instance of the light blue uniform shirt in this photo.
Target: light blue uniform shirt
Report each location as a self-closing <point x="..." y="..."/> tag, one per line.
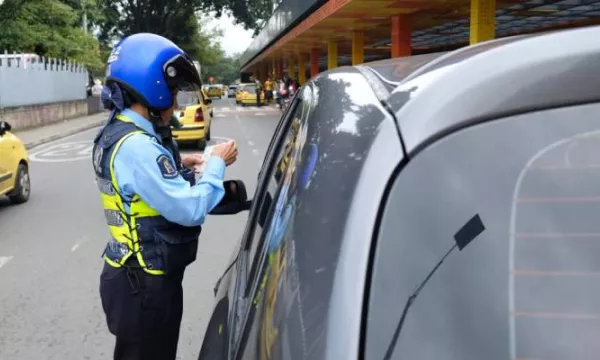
<point x="138" y="171"/>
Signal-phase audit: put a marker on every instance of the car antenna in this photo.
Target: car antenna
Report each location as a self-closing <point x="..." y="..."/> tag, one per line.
<point x="472" y="229"/>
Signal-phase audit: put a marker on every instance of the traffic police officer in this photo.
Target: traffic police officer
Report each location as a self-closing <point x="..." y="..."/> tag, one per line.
<point x="152" y="204"/>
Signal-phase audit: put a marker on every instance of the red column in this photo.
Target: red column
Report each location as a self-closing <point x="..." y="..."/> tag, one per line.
<point x="280" y="68"/>
<point x="314" y="62"/>
<point x="401" y="35"/>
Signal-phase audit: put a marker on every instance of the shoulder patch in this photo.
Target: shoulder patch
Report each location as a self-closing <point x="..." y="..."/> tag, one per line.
<point x="167" y="169"/>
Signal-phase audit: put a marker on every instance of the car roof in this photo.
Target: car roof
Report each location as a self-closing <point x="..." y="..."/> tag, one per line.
<point x="438" y="93"/>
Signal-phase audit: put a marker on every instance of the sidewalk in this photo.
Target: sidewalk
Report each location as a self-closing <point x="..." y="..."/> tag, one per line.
<point x="59" y="130"/>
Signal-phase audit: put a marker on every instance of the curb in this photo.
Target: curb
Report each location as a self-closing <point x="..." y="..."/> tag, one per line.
<point x="50" y="138"/>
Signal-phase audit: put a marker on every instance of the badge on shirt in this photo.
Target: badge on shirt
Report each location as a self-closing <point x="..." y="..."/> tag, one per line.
<point x="166" y="167"/>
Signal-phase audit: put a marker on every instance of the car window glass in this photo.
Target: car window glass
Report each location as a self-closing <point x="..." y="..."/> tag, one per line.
<point x="260" y="207"/>
<point x="187" y="98"/>
<point x="279" y="176"/>
<point x="527" y="287"/>
<point x="282" y="160"/>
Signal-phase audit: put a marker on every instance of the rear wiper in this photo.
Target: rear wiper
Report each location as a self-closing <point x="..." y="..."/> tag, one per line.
<point x="472" y="229"/>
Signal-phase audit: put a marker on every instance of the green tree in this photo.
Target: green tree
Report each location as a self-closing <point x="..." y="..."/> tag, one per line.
<point x="250" y="13"/>
<point x="178" y="21"/>
<point x="226" y="71"/>
<point x="48" y="28"/>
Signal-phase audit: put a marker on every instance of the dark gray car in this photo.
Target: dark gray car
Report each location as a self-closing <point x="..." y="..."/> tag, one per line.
<point x="443" y="206"/>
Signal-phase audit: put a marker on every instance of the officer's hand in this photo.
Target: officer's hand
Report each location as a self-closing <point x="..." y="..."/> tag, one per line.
<point x="192" y="160"/>
<point x="227" y="151"/>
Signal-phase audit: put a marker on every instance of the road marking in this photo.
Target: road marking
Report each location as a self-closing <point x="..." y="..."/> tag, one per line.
<point x="78" y="244"/>
<point x="251" y="108"/>
<point x="570" y="147"/>
<point x="64" y="152"/>
<point x="220" y="115"/>
<point x="255" y="152"/>
<point x="4" y="260"/>
<point x="260" y="114"/>
<point x="250" y="143"/>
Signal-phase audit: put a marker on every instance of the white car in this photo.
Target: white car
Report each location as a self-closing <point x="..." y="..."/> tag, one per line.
<point x="231" y="91"/>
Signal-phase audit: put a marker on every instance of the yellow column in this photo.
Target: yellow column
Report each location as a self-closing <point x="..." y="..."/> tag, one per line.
<point x="358" y="47"/>
<point x="483" y="20"/>
<point x="332" y="54"/>
<point x="301" y="68"/>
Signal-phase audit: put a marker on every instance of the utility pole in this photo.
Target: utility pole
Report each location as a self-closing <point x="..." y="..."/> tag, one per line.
<point x="85" y="22"/>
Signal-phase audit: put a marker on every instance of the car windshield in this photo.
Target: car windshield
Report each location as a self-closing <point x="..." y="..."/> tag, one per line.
<point x="187" y="98"/>
<point x="250" y="89"/>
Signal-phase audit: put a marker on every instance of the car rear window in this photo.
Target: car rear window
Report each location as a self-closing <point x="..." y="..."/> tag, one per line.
<point x="528" y="286"/>
<point x="185" y="98"/>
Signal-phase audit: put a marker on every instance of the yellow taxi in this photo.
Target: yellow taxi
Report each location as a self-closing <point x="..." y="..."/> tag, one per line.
<point x="214" y="91"/>
<point x="246" y="94"/>
<point x="14" y="166"/>
<point x="195" y="117"/>
<point x="238" y="92"/>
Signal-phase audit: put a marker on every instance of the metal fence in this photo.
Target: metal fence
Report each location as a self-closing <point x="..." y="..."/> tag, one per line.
<point x="41" y="81"/>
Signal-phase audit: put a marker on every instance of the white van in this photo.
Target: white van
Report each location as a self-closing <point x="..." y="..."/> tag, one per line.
<point x="20" y="60"/>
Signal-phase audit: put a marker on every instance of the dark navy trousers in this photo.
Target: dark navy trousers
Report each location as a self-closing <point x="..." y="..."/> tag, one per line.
<point x="143" y="311"/>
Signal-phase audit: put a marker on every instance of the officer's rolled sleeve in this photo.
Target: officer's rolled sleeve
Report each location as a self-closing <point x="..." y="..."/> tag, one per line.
<point x="214" y="168"/>
<point x="139" y="172"/>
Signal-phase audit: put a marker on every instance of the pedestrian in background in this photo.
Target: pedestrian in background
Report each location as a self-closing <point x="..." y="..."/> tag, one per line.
<point x="258" y="92"/>
<point x="269" y="86"/>
<point x="154" y="207"/>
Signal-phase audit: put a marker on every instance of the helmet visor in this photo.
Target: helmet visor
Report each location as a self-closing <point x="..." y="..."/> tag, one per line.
<point x="180" y="73"/>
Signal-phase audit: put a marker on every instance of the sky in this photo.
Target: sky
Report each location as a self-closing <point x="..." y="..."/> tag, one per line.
<point x="235" y="38"/>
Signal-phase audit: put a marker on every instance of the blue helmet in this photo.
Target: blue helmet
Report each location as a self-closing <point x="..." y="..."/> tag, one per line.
<point x="150" y="67"/>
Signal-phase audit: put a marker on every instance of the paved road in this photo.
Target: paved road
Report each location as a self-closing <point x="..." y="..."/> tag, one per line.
<point x="50" y="248"/>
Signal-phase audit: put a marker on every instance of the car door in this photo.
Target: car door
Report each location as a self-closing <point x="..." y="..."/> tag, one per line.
<point x="6" y="163"/>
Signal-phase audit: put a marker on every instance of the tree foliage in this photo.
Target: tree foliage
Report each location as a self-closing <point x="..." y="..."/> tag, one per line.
<point x="49" y="28"/>
<point x="226" y="71"/>
<point x="53" y="28"/>
<point x="180" y="21"/>
<point x="250" y="13"/>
